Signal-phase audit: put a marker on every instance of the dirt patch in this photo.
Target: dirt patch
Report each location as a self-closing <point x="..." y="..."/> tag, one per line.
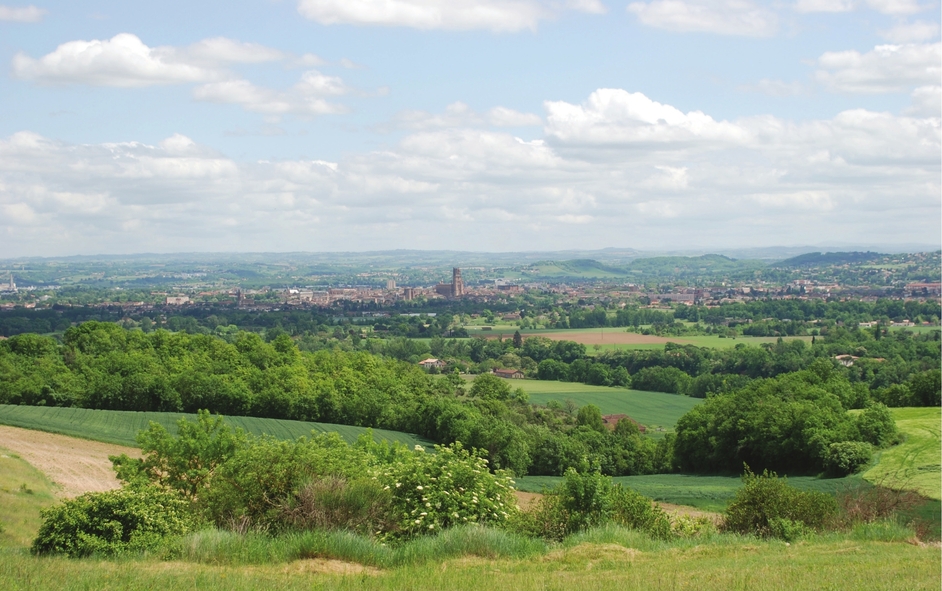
<point x="77" y="465"/>
<point x="678" y="510"/>
<point x="326" y="566"/>
<point x="527" y="500"/>
<point x="611" y="338"/>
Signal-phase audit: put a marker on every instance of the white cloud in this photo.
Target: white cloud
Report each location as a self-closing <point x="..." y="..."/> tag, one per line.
<point x="927" y="102"/>
<point x="723" y="17"/>
<point x="125" y="61"/>
<point x="122" y="61"/>
<point x="628" y="165"/>
<point x="493" y="15"/>
<point x="913" y="32"/>
<point x="305" y="98"/>
<point x="24" y="14"/>
<point x="616" y="117"/>
<point x="888" y="68"/>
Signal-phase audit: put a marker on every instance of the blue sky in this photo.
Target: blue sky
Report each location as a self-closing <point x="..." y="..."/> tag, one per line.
<point x="321" y="125"/>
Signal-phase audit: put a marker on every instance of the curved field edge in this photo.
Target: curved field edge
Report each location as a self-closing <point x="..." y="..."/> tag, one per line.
<point x="732" y="564"/>
<point x="24" y="492"/>
<point x="915" y="464"/>
<point x="121" y="427"/>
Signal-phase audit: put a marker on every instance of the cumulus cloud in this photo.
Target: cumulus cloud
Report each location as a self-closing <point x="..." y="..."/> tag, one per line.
<point x="24" y="14"/>
<point x="494" y="15"/>
<point x="722" y="17"/>
<point x="887" y="68"/>
<point x="630" y="166"/>
<point x="123" y="61"/>
<point x="617" y="117"/>
<point x="913" y="32"/>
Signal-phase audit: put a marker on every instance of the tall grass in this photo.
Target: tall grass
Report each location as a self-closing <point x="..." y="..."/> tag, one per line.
<point x="221" y="547"/>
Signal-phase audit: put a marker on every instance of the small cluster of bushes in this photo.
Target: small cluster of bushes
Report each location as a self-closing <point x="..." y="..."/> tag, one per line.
<point x="588" y="499"/>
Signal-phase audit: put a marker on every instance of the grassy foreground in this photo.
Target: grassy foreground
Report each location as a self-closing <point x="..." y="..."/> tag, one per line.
<point x="121" y="426"/>
<point x="596" y="561"/>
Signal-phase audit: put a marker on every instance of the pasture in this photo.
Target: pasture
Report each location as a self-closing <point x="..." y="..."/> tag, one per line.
<point x="24" y="492"/>
<point x="652" y="409"/>
<point x="618" y="338"/>
<point x="707" y="493"/>
<point x="121" y="427"/>
<point x="914" y="464"/>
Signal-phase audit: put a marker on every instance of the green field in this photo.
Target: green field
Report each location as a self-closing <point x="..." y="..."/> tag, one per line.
<point x="915" y="464"/>
<point x="653" y="409"/>
<point x="24" y="491"/>
<point x="708" y="493"/>
<point x="121" y="427"/>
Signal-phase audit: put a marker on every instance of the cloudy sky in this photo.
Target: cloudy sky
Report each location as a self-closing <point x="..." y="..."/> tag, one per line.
<point x="487" y="125"/>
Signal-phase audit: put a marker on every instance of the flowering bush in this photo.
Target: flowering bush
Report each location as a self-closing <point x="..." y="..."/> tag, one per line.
<point x="433" y="491"/>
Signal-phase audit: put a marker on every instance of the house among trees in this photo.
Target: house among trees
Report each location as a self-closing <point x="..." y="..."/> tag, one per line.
<point x="430" y="363"/>
<point x="611" y="420"/>
<point x="510" y="374"/>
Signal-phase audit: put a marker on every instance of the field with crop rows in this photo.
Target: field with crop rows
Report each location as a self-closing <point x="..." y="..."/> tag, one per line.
<point x="121" y="427"/>
<point x="653" y="409"/>
<point x="915" y="464"/>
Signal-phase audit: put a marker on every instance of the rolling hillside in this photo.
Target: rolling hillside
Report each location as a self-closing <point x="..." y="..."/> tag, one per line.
<point x="121" y="427"/>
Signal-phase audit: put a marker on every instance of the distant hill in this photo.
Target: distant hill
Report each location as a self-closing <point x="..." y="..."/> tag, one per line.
<point x="814" y="259"/>
<point x="675" y="266"/>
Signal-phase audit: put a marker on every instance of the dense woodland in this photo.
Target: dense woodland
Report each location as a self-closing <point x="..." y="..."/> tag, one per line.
<point x="377" y="384"/>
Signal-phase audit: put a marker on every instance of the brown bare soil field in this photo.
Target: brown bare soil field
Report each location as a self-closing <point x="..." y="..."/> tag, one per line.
<point x="611" y="338"/>
<point x="77" y="465"/>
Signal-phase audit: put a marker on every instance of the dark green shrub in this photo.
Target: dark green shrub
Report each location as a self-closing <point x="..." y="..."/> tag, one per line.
<point x="359" y="505"/>
<point x="767" y="507"/>
<point x="636" y="511"/>
<point x="257" y="487"/>
<point x="586" y="500"/>
<point x="128" y="519"/>
<point x="876" y="426"/>
<point x="847" y="457"/>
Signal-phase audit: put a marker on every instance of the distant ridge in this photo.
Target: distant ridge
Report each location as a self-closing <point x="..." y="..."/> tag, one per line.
<point x="830" y="258"/>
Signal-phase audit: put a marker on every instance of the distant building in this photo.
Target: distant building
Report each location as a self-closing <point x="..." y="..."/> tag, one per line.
<point x="457" y="283"/>
<point x="846" y="360"/>
<point x="408" y="294"/>
<point x="177" y="300"/>
<point x="10" y="287"/>
<point x="390" y="284"/>
<point x="510" y="374"/>
<point x="430" y="363"/>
